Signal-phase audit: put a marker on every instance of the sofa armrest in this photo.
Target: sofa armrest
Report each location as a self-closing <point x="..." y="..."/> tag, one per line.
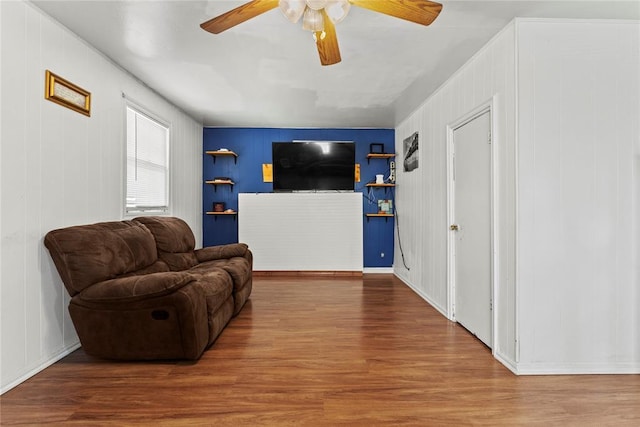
<point x="211" y="253"/>
<point x="135" y="288"/>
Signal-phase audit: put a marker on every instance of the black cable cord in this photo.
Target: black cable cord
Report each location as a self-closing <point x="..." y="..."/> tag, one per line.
<point x="399" y="241"/>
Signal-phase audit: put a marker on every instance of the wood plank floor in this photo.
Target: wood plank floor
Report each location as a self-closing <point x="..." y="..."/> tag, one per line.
<point x="323" y="352"/>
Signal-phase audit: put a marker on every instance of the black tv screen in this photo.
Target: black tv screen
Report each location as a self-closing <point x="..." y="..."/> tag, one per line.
<point x="313" y="166"/>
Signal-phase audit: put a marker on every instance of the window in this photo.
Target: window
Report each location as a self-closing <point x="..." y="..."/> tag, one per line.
<point x="147" y="163"/>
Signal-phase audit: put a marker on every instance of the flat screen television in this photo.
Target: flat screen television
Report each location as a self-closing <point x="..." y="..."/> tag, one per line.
<point x="313" y="166"/>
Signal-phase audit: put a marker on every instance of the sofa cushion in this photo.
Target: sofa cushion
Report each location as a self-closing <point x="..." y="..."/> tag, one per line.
<point x="86" y="254"/>
<point x="211" y="253"/>
<point x="216" y="287"/>
<point x="172" y="234"/>
<point x="178" y="261"/>
<point x="157" y="267"/>
<point x="171" y="326"/>
<point x="237" y="267"/>
<point x="135" y="288"/>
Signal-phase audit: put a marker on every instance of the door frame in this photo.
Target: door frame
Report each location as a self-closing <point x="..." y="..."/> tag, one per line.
<point x="487" y="106"/>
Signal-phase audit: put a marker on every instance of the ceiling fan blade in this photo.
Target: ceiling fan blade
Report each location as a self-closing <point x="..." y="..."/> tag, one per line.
<point x="328" y="44"/>
<point x="422" y="12"/>
<point x="238" y="15"/>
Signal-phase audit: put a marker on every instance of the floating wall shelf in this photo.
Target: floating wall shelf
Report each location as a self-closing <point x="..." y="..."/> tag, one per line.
<point x="217" y="214"/>
<point x="373" y="184"/>
<point x="378" y="215"/>
<point x="386" y="156"/>
<point x="217" y="182"/>
<point x="222" y="153"/>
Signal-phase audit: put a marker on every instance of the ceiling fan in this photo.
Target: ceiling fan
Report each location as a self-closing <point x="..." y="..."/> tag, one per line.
<point x="320" y="17"/>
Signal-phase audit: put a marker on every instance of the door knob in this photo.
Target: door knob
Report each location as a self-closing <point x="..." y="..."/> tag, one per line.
<point x="454" y="227"/>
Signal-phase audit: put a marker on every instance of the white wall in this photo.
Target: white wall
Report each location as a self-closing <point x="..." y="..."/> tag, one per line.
<point x="579" y="108"/>
<point x="568" y="201"/>
<point x="421" y="195"/>
<point x="61" y="168"/>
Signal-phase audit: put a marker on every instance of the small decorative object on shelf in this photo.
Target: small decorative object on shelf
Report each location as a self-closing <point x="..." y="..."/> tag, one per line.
<point x="385" y="206"/>
<point x="218" y="206"/>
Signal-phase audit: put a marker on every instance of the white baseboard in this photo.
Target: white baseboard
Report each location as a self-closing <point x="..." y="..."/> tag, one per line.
<point x="578" y="368"/>
<point x="40" y="367"/>
<point x="507" y="362"/>
<point x="378" y="270"/>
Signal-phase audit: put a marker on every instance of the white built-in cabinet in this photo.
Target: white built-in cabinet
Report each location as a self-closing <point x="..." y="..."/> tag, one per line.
<point x="302" y="231"/>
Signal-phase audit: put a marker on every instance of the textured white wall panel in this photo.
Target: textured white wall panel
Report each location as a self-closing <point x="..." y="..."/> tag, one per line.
<point x="60" y="168"/>
<point x="421" y="195"/>
<point x="567" y="165"/>
<point x="302" y="231"/>
<point x="579" y="107"/>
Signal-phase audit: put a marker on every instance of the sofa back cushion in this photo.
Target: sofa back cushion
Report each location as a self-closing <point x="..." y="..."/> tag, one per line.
<point x="174" y="239"/>
<point x="87" y="254"/>
<point x="172" y="234"/>
<point x="179" y="262"/>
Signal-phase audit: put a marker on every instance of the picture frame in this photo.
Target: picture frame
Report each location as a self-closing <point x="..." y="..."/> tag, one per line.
<point x="411" y="147"/>
<point x="67" y="94"/>
<point x="376" y="148"/>
<point x="385" y="207"/>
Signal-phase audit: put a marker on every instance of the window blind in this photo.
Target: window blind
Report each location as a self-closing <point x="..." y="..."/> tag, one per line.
<point x="147" y="163"/>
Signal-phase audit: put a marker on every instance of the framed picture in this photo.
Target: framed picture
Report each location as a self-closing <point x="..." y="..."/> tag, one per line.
<point x="385" y="206"/>
<point x="65" y="93"/>
<point x="411" y="152"/>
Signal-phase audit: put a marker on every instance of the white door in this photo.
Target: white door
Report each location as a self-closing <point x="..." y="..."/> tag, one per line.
<point x="472" y="226"/>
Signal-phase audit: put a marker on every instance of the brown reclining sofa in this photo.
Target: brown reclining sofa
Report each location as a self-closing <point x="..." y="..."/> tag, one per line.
<point x="140" y="291"/>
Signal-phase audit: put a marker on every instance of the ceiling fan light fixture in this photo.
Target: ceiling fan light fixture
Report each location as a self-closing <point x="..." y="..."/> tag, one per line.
<point x="319" y="34"/>
<point x="317" y="4"/>
<point x="312" y="20"/>
<point x="292" y="9"/>
<point x="337" y="9"/>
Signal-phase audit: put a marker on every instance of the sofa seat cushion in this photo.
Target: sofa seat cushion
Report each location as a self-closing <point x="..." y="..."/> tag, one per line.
<point x="216" y="287"/>
<point x="135" y="288"/>
<point x="237" y="267"/>
<point x="157" y="267"/>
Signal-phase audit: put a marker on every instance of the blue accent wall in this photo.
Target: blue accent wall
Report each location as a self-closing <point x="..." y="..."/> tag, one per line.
<point x="253" y="146"/>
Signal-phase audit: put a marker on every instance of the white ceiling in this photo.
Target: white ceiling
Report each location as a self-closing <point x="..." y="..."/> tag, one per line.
<point x="266" y="73"/>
